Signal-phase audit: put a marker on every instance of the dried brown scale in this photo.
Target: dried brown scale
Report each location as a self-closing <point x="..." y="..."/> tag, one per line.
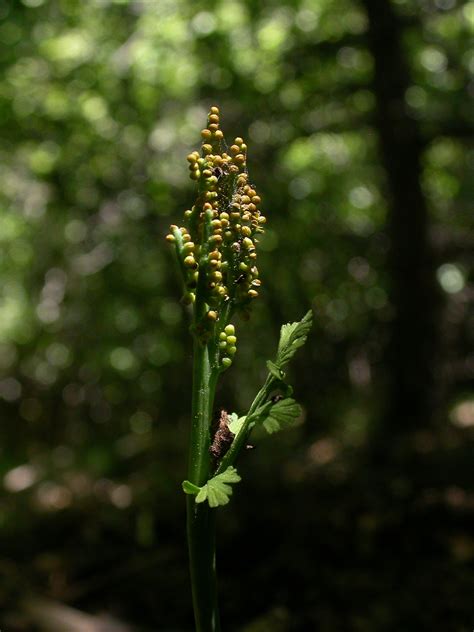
<point x="222" y="438"/>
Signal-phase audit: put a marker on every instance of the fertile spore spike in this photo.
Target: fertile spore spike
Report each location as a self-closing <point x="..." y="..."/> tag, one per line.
<point x="217" y="240"/>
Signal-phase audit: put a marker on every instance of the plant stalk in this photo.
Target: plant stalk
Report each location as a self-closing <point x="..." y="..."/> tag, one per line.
<point x="200" y="517"/>
<point x="240" y="439"/>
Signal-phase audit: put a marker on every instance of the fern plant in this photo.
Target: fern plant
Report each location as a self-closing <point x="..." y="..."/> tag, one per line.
<point x="216" y="248"/>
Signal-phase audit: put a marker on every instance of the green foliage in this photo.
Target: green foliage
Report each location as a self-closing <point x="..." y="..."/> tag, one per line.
<point x="217" y="491"/>
<point x="281" y="415"/>
<point x="292" y="337"/>
<point x="190" y="488"/>
<point x="273" y="413"/>
<point x="236" y="423"/>
<point x="273" y="369"/>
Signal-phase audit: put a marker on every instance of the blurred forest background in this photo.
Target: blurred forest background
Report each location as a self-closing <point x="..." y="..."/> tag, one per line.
<point x="359" y="119"/>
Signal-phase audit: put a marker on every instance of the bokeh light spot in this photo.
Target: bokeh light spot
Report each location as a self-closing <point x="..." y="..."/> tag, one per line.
<point x="451" y="278"/>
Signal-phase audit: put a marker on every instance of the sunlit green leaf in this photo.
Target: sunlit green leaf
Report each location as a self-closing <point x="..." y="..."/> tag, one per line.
<point x="236" y="423"/>
<point x="292" y="337"/>
<point x="217" y="491"/>
<point x="190" y="488"/>
<point x="281" y="415"/>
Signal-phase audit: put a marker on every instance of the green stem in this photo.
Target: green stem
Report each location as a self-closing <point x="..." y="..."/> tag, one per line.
<point x="239" y="441"/>
<point x="201" y="518"/>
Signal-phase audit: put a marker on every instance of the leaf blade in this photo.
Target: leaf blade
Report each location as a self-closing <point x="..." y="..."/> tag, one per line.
<point x="282" y="415"/>
<point x="292" y="337"/>
<point x="218" y="489"/>
<point x="236" y="424"/>
<point x="190" y="488"/>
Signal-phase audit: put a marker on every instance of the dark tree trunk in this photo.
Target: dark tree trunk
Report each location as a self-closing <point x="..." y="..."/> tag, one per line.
<point x="412" y="352"/>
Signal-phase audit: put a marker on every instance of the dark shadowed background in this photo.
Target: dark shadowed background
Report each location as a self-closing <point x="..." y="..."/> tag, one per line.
<point x="359" y="121"/>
